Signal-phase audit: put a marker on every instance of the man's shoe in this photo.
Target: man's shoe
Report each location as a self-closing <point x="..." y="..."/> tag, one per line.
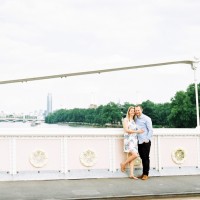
<point x="145" y="177"/>
<point x="140" y="176"/>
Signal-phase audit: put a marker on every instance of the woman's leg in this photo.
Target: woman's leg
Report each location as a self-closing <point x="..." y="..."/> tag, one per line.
<point x="128" y="160"/>
<point x="131" y="164"/>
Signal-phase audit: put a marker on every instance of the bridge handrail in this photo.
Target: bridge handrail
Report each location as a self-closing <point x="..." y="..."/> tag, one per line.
<point x="93" y="132"/>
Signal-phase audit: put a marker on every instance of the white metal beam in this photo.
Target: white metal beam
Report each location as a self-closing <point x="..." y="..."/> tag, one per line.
<point x="190" y="62"/>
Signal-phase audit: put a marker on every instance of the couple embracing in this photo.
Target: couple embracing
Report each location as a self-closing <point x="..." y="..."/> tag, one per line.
<point x="137" y="140"/>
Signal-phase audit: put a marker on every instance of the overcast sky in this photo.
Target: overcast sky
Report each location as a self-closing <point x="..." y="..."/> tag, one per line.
<point x="47" y="37"/>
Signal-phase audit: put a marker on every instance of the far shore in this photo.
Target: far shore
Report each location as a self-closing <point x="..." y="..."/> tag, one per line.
<point x="81" y="124"/>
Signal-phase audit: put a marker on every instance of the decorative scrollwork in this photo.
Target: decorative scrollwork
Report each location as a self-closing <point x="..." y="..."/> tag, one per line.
<point x="88" y="158"/>
<point x="179" y="155"/>
<point x="38" y="158"/>
<point x="137" y="161"/>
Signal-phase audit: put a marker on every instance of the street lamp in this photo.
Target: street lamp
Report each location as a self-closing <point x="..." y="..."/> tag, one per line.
<point x="194" y="67"/>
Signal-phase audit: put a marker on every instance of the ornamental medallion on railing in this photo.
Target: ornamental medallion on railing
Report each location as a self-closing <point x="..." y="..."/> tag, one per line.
<point x="38" y="158"/>
<point x="137" y="161"/>
<point x="88" y="158"/>
<point x="179" y="155"/>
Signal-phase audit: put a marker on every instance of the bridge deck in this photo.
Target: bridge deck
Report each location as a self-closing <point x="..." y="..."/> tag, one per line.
<point x="114" y="188"/>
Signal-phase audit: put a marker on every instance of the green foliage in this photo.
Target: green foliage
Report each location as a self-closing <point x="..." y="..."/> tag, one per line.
<point x="109" y="113"/>
<point x="179" y="113"/>
<point x="157" y="112"/>
<point x="183" y="108"/>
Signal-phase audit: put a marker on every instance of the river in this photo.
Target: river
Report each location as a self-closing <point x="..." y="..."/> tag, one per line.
<point x="28" y="125"/>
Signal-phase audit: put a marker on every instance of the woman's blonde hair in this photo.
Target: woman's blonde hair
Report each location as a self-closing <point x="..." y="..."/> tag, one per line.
<point x="128" y="114"/>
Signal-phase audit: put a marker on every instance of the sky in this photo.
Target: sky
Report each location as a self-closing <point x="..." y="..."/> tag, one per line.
<point x="50" y="37"/>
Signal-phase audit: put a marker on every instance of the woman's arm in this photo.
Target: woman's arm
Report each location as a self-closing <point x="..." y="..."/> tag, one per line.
<point x="129" y="131"/>
<point x="125" y="126"/>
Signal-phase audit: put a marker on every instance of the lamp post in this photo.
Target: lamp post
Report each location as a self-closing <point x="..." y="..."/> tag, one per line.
<point x="194" y="67"/>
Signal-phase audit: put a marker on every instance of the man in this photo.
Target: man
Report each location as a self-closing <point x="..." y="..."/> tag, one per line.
<point x="144" y="139"/>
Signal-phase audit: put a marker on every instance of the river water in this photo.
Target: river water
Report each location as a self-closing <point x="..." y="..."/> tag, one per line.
<point x="28" y="125"/>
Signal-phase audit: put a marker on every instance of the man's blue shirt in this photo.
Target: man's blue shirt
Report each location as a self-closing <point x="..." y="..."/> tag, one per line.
<point x="144" y="122"/>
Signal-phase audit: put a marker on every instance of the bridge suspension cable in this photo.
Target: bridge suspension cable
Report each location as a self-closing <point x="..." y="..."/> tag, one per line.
<point x="190" y="62"/>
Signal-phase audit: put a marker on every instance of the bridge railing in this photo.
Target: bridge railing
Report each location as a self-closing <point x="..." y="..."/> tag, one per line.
<point x="92" y="153"/>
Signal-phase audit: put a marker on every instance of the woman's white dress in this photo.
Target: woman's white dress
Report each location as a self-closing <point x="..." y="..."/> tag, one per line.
<point x="130" y="140"/>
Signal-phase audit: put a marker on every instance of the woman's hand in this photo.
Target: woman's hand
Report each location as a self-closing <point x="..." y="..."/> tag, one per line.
<point x="140" y="131"/>
<point x="130" y="131"/>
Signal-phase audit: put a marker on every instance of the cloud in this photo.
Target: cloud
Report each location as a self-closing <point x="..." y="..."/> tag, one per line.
<point x="43" y="37"/>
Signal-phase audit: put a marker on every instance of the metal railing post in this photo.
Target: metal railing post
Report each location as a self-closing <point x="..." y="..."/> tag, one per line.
<point x="194" y="67"/>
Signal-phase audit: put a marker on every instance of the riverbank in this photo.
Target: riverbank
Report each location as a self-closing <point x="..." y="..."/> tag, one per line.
<point x="88" y="125"/>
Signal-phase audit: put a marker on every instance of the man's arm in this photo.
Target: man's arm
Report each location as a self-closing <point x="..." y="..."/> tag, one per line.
<point x="149" y="128"/>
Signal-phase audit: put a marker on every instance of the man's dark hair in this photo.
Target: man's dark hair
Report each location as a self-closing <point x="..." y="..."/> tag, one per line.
<point x="139" y="106"/>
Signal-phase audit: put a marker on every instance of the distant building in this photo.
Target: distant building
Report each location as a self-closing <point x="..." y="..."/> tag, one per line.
<point x="49" y="104"/>
<point x="93" y="106"/>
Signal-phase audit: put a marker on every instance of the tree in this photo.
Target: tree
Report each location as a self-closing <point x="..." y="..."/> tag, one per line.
<point x="192" y="97"/>
<point x="162" y="111"/>
<point x="112" y="113"/>
<point x="181" y="111"/>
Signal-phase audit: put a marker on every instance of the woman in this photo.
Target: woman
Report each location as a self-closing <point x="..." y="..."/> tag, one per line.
<point x="130" y="140"/>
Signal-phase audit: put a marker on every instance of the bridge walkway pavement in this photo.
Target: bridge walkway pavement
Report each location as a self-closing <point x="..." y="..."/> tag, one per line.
<point x="168" y="187"/>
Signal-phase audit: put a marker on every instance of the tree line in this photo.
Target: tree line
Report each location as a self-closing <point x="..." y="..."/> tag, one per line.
<point x="180" y="112"/>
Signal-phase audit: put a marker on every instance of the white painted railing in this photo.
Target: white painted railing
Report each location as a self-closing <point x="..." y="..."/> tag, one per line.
<point x="28" y="154"/>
